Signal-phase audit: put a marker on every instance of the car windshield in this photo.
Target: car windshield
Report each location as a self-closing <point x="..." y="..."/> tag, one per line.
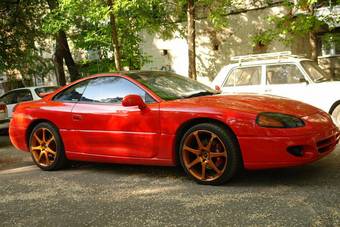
<point x="314" y="71"/>
<point x="41" y="90"/>
<point x="170" y="86"/>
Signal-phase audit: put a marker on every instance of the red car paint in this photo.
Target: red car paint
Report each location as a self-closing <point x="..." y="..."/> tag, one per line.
<point x="118" y="134"/>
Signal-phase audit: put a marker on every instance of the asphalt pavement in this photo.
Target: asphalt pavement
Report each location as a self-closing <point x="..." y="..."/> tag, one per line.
<point x="120" y="195"/>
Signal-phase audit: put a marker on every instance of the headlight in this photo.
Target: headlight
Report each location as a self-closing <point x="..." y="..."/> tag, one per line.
<point x="278" y="120"/>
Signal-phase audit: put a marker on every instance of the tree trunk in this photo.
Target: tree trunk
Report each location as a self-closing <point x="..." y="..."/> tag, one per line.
<point x="63" y="51"/>
<point x="114" y="37"/>
<point x="59" y="65"/>
<point x="72" y="68"/>
<point x="191" y="36"/>
<point x="314" y="46"/>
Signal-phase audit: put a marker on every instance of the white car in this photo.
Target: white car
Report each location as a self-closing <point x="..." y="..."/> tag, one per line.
<point x="3" y="116"/>
<point x="16" y="96"/>
<point x="281" y="74"/>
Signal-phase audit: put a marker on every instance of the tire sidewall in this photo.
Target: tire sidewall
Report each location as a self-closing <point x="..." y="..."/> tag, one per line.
<point x="233" y="154"/>
<point x="336" y="113"/>
<point x="60" y="156"/>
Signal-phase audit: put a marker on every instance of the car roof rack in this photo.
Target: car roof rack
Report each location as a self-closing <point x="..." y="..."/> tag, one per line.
<point x="278" y="55"/>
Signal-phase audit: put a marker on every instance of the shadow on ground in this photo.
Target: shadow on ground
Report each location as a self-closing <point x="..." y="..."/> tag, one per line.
<point x="311" y="174"/>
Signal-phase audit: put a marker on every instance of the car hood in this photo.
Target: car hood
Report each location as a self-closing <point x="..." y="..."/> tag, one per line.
<point x="252" y="103"/>
<point x="332" y="85"/>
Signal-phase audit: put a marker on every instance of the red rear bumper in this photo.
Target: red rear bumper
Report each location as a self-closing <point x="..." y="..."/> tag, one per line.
<point x="18" y="138"/>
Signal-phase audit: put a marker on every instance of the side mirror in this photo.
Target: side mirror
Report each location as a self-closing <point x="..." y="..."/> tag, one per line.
<point x="134" y="100"/>
<point x="303" y="80"/>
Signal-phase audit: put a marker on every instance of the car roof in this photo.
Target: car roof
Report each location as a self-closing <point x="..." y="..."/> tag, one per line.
<point x="27" y="88"/>
<point x="268" y="61"/>
<point x="127" y="73"/>
<point x="31" y="88"/>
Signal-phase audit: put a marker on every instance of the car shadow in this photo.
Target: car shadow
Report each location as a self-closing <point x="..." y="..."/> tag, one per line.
<point x="4" y="142"/>
<point x="4" y="132"/>
<point x="313" y="174"/>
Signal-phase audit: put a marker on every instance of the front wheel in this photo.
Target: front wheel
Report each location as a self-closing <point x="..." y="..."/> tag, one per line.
<point x="46" y="147"/>
<point x="336" y="115"/>
<point x="210" y="154"/>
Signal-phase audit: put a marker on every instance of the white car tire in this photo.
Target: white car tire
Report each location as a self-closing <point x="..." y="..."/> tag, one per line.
<point x="336" y="115"/>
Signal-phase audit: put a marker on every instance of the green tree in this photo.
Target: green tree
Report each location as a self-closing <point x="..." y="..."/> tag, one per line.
<point x="21" y="39"/>
<point x="215" y="11"/>
<point x="301" y="20"/>
<point x="111" y="27"/>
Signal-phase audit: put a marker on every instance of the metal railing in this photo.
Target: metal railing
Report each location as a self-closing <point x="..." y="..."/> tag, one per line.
<point x="278" y="55"/>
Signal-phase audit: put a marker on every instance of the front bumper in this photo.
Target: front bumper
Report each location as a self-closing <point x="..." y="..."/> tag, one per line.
<point x="272" y="152"/>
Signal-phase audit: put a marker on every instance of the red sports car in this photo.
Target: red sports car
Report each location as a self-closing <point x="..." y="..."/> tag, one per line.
<point x="160" y="118"/>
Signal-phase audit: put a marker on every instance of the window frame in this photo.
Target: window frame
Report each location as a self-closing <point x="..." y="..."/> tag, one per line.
<point x="16" y="91"/>
<point x="6" y="94"/>
<point x="298" y="65"/>
<point x="68" y="87"/>
<point x="29" y="91"/>
<point x="116" y="104"/>
<point x="100" y="103"/>
<point x="323" y="50"/>
<point x="242" y="67"/>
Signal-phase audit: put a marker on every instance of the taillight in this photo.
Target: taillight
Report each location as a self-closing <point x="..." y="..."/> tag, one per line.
<point x="3" y="108"/>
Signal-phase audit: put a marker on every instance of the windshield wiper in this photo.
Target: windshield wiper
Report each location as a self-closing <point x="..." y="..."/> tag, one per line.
<point x="201" y="93"/>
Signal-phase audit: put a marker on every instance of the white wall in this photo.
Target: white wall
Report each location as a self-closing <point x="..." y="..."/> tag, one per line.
<point x="234" y="40"/>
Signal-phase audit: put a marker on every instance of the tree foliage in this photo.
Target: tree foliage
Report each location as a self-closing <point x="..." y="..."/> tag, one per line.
<point x="299" y="21"/>
<point x="91" y="30"/>
<point x="213" y="10"/>
<point x="22" y="40"/>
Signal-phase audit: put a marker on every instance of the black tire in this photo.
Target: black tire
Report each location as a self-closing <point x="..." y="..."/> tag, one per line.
<point x="233" y="159"/>
<point x="59" y="158"/>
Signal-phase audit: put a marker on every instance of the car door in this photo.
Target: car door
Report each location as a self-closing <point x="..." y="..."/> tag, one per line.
<point x="243" y="79"/>
<point x="105" y="127"/>
<point x="14" y="97"/>
<point x="287" y="80"/>
<point x="59" y="110"/>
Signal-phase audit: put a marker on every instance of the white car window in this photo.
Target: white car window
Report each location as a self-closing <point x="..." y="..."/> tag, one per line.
<point x="9" y="98"/>
<point x="24" y="95"/>
<point x="244" y="77"/>
<point x="14" y="97"/>
<point x="283" y="74"/>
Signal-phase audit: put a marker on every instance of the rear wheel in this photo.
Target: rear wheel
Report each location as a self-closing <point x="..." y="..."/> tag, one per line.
<point x="336" y="115"/>
<point x="46" y="147"/>
<point x="209" y="154"/>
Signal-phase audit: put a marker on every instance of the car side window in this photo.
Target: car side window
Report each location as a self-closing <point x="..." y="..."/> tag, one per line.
<point x="244" y="77"/>
<point x="112" y="90"/>
<point x="23" y="95"/>
<point x="284" y="74"/>
<point x="73" y="93"/>
<point x="14" y="97"/>
<point x="8" y="98"/>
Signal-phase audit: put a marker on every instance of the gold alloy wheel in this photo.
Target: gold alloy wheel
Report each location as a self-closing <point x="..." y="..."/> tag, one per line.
<point x="204" y="155"/>
<point x="43" y="147"/>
